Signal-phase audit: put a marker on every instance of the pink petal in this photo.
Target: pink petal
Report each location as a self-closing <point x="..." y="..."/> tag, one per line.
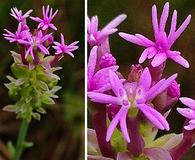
<point x="190" y="126"/>
<point x="164" y="16"/>
<point x="157" y="154"/>
<point x="145" y="40"/>
<point x="103" y="98"/>
<point x="145" y="79"/>
<point x="155" y="21"/>
<point x="154" y="116"/>
<point x="159" y="59"/>
<point x="92" y="62"/>
<point x="187" y="112"/>
<point x="123" y="125"/>
<point x="188" y="102"/>
<point x="115" y="22"/>
<point x="175" y="56"/>
<point x="115" y="83"/>
<point x="113" y="124"/>
<point x="173" y="24"/>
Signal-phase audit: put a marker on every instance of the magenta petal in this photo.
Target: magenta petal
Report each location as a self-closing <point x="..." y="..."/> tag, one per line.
<point x="190" y="126"/>
<point x="157" y="154"/>
<point x="188" y="102"/>
<point x="113" y="125"/>
<point x="159" y="59"/>
<point x="145" y="40"/>
<point x="160" y="87"/>
<point x="164" y="17"/>
<point x="173" y="24"/>
<point x="143" y="56"/>
<point x="115" y="22"/>
<point x="103" y="98"/>
<point x="123" y="125"/>
<point x="154" y="116"/>
<point x="175" y="56"/>
<point x="92" y="62"/>
<point x="187" y="112"/>
<point x="155" y="21"/>
<point x="145" y="79"/>
<point x="115" y="83"/>
<point x="132" y="39"/>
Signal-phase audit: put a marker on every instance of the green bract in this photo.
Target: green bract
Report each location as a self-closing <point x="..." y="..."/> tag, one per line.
<point x="31" y="88"/>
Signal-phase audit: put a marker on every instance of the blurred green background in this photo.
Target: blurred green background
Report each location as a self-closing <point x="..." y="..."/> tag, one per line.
<point x="139" y="21"/>
<point x="60" y="133"/>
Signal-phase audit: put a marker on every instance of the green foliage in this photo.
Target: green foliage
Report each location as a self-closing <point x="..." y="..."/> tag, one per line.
<point x="32" y="89"/>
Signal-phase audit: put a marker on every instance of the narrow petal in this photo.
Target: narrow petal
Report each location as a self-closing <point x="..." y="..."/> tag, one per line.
<point x="123" y="125"/>
<point x="143" y="56"/>
<point x="190" y="126"/>
<point x="187" y="112"/>
<point x="92" y="62"/>
<point x="175" y="56"/>
<point x="103" y="98"/>
<point x="154" y="116"/>
<point x="164" y="17"/>
<point x="181" y="29"/>
<point x="145" y="40"/>
<point x="173" y="24"/>
<point x="115" y="22"/>
<point x="145" y="79"/>
<point x="115" y="83"/>
<point x="155" y="21"/>
<point x="188" y="102"/>
<point x="132" y="39"/>
<point x="113" y="125"/>
<point x="159" y="59"/>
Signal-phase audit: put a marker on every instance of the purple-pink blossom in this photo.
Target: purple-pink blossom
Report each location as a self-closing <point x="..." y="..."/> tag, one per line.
<point x="48" y="16"/>
<point x="160" y="50"/>
<point x="17" y="14"/>
<point x="64" y="48"/>
<point x="35" y="42"/>
<point x="96" y="36"/>
<point x="189" y="113"/>
<point x="98" y="80"/>
<point x="136" y="94"/>
<point x="19" y="35"/>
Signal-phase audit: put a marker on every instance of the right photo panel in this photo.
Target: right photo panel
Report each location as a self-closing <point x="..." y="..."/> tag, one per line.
<point x="140" y="80"/>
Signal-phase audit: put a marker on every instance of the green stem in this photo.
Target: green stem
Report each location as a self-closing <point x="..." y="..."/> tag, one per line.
<point x="21" y="139"/>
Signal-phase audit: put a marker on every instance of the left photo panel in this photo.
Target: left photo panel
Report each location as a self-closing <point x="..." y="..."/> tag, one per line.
<point x="42" y="80"/>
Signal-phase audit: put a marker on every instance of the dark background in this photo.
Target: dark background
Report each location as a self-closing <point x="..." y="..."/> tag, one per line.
<point x="59" y="134"/>
<point x="139" y="21"/>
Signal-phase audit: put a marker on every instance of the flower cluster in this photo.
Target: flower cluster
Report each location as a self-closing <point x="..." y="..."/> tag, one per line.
<point x="35" y="44"/>
<point x="135" y="108"/>
<point x="34" y="84"/>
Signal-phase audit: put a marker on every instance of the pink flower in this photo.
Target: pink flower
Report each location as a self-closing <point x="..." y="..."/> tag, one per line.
<point x="64" y="48"/>
<point x="19" y="36"/>
<point x="17" y="14"/>
<point x="189" y="113"/>
<point x="98" y="81"/>
<point x="135" y="94"/>
<point x="95" y="36"/>
<point x="36" y="42"/>
<point x="48" y="16"/>
<point x="107" y="60"/>
<point x="160" y="50"/>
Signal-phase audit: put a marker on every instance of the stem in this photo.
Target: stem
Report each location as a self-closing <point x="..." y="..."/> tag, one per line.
<point x="21" y="139"/>
<point x="99" y="124"/>
<point x="136" y="145"/>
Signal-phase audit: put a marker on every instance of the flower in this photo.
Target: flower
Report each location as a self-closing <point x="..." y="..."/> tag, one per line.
<point x="95" y="36"/>
<point x="17" y="14"/>
<point x="97" y="81"/>
<point x="48" y="16"/>
<point x="63" y="48"/>
<point x="19" y="36"/>
<point x="189" y="113"/>
<point x="160" y="50"/>
<point x="174" y="90"/>
<point x="34" y="42"/>
<point x="135" y="94"/>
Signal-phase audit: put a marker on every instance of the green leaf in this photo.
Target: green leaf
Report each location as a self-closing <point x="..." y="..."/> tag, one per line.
<point x="43" y="85"/>
<point x="41" y="110"/>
